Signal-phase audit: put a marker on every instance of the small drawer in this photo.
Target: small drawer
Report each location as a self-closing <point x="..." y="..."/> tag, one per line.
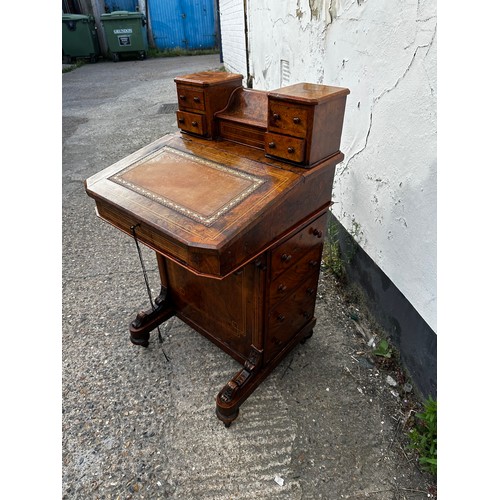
<point x="287" y="119"/>
<point x="190" y="98"/>
<point x="290" y="316"/>
<point x="286" y="255"/>
<point x="191" y="122"/>
<point x="308" y="265"/>
<point x="282" y="146"/>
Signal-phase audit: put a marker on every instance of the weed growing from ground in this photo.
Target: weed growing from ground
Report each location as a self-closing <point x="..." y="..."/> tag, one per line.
<point x="423" y="437"/>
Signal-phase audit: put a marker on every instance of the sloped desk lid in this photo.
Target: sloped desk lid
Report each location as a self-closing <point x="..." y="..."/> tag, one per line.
<point x="190" y="199"/>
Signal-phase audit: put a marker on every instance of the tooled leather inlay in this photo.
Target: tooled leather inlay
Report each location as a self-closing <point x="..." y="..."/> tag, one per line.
<point x="198" y="188"/>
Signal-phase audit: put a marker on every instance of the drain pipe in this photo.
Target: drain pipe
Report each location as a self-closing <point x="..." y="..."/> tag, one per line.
<point x="247" y="51"/>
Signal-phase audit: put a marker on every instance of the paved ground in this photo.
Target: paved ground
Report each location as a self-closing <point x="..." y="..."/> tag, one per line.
<point x="137" y="426"/>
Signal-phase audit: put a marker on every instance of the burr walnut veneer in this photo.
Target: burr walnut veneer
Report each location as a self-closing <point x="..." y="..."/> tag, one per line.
<point x="237" y="224"/>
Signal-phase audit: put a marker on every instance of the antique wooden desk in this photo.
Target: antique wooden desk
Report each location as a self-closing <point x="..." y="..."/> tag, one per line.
<point x="235" y="208"/>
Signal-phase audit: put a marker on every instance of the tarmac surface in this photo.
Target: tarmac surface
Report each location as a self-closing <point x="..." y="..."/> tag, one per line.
<point x="324" y="424"/>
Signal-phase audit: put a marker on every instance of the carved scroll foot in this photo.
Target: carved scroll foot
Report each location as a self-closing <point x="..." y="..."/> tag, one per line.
<point x="146" y="321"/>
<point x="234" y="393"/>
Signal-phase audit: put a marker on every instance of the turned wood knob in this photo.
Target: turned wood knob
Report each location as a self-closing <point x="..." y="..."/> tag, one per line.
<point x="306" y="315"/>
<point x="196" y="99"/>
<point x="291" y="150"/>
<point x="286" y="257"/>
<point x="194" y="124"/>
<point x="281" y="287"/>
<point x="310" y="291"/>
<point x="281" y="317"/>
<point x="272" y="144"/>
<point x="313" y="263"/>
<point x="181" y="120"/>
<point x="276" y="116"/>
<point x="182" y="97"/>
<point x="317" y="233"/>
<point x="296" y="120"/>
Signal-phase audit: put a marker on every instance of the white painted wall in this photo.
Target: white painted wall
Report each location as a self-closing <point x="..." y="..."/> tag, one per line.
<point x="232" y="27"/>
<point x="384" y="51"/>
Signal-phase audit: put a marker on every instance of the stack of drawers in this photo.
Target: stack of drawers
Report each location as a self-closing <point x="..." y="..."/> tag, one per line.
<point x="294" y="273"/>
<point x="304" y="122"/>
<point x="200" y="96"/>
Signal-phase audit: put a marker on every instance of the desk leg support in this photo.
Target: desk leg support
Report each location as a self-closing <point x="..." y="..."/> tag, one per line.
<point x="235" y="392"/>
<point x="162" y="309"/>
<point x="146" y="321"/>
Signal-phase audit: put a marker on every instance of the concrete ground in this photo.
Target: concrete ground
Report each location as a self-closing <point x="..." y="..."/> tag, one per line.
<point x="325" y="424"/>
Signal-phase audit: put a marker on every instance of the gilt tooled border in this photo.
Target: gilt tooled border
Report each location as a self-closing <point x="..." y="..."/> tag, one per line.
<point x="206" y="221"/>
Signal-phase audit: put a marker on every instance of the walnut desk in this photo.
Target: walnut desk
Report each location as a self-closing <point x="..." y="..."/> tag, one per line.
<point x="235" y="208"/>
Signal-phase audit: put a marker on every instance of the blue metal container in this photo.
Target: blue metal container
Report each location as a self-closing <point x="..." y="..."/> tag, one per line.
<point x="186" y="24"/>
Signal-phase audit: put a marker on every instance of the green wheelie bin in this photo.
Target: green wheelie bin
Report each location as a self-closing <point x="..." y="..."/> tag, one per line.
<point x="125" y="33"/>
<point x="79" y="38"/>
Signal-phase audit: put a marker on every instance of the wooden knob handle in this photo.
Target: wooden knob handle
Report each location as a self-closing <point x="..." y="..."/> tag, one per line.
<point x="291" y="150"/>
<point x="182" y="97"/>
<point x="313" y="263"/>
<point x="181" y="120"/>
<point x="276" y="116"/>
<point x="310" y="291"/>
<point x="196" y="99"/>
<point x="194" y="124"/>
<point x="296" y="120"/>
<point x="281" y="317"/>
<point x="286" y="257"/>
<point x="281" y="287"/>
<point x="318" y="233"/>
<point x="272" y="144"/>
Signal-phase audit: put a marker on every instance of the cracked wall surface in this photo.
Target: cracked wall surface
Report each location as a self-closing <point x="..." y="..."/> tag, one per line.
<point x="385" y="52"/>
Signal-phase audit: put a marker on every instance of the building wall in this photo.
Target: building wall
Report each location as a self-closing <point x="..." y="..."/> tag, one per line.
<point x="384" y="51"/>
<point x="232" y="27"/>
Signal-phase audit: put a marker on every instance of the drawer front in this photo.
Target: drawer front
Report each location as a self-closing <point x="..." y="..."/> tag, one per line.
<point x="307" y="266"/>
<point x="287" y="119"/>
<point x="283" y="146"/>
<point x="190" y="98"/>
<point x="286" y="255"/>
<point x="191" y="122"/>
<point x="290" y="316"/>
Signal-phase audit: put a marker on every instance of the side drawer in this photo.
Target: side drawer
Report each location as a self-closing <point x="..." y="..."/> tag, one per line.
<point x="283" y="146"/>
<point x="287" y="119"/>
<point x="287" y="254"/>
<point x="192" y="122"/>
<point x="290" y="316"/>
<point x="309" y="264"/>
<point x="190" y="98"/>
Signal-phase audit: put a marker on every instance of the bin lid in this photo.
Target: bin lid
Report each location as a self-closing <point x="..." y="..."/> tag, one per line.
<point x="75" y="17"/>
<point x="121" y="14"/>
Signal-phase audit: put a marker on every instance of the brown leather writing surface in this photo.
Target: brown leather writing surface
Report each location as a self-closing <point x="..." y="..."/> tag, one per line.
<point x="198" y="188"/>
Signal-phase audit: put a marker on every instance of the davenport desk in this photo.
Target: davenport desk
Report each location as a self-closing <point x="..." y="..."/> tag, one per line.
<point x="235" y="207"/>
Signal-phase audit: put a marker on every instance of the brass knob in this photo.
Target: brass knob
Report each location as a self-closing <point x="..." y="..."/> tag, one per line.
<point x="286" y="257"/>
<point x="296" y="120"/>
<point x="317" y="233"/>
<point x="291" y="150"/>
<point x="281" y="287"/>
<point x="272" y="145"/>
<point x="276" y="116"/>
<point x="194" y="124"/>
